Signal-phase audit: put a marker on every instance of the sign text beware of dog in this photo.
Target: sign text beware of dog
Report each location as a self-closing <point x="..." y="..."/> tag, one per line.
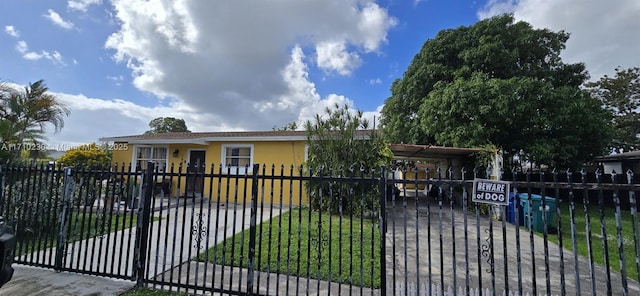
<point x="491" y="191"/>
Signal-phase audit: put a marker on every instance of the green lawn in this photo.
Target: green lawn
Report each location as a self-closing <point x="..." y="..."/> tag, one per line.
<point x="597" y="245"/>
<point x="150" y="292"/>
<point x="342" y="251"/>
<point x="82" y="226"/>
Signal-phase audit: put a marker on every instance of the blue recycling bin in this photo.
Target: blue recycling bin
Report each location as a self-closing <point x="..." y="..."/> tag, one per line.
<point x="511" y="208"/>
<point x="536" y="210"/>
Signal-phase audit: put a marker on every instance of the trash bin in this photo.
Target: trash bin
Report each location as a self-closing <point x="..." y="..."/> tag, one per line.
<point x="536" y="211"/>
<point x="511" y="216"/>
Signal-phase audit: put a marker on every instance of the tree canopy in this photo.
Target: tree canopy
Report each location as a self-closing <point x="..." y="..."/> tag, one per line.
<point x="25" y="113"/>
<point x="498" y="82"/>
<point x="621" y="96"/>
<point x="166" y="125"/>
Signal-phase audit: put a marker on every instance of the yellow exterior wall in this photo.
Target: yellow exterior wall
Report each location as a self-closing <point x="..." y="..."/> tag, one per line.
<point x="266" y="153"/>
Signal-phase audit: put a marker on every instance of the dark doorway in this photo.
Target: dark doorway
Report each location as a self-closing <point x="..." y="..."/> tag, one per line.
<point x="195" y="173"/>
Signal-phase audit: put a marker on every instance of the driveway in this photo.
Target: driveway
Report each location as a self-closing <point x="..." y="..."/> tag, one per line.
<point x="428" y="243"/>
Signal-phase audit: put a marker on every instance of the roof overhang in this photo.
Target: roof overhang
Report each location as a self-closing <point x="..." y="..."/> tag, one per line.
<point x="425" y="152"/>
<point x="633" y="155"/>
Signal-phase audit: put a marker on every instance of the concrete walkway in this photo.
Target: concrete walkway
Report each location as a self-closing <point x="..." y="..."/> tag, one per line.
<point x="35" y="281"/>
<point x="415" y="236"/>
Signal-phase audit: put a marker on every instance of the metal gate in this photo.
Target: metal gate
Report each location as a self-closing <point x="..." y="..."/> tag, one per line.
<point x="73" y="220"/>
<point x="291" y="231"/>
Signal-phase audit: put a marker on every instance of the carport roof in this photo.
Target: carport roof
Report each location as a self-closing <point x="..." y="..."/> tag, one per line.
<point x="409" y="151"/>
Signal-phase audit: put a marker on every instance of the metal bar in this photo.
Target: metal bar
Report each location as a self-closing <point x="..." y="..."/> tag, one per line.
<point x="382" y="226"/>
<point x="39" y="213"/>
<point x="214" y="231"/>
<point x="271" y="196"/>
<point x="404" y="216"/>
<point x="563" y="289"/>
<point x="197" y="174"/>
<point x="279" y="254"/>
<point x="244" y="209"/>
<point x="300" y="209"/>
<point x="215" y="239"/>
<point x="60" y="249"/>
<point x="310" y="190"/>
<point x="453" y="232"/>
<point x="478" y="238"/>
<point x="623" y="268"/>
<point x="572" y="216"/>
<point x="467" y="277"/>
<point x="233" y="226"/>
<point x="531" y="236"/>
<point x="634" y="221"/>
<point x="440" y="232"/>
<point x="142" y="233"/>
<point x="545" y="233"/>
<point x="372" y="261"/>
<point x="252" y="228"/>
<point x="603" y="229"/>
<point x="340" y="213"/>
<point x="289" y="229"/>
<point x="516" y="213"/>
<point x="131" y="239"/>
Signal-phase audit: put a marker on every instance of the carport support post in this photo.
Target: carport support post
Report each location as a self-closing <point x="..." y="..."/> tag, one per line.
<point x="142" y="231"/>
<point x="382" y="225"/>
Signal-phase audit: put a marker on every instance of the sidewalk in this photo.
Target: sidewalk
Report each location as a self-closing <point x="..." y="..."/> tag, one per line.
<point x="34" y="281"/>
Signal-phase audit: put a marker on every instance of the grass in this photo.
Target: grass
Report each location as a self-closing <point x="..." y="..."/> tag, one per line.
<point x="150" y="292"/>
<point x="83" y="226"/>
<point x="597" y="245"/>
<point x="327" y="248"/>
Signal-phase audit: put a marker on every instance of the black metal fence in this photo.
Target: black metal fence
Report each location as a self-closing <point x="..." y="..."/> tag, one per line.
<point x="288" y="230"/>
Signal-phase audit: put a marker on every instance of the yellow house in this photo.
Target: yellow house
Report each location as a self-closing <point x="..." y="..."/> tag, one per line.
<point x="225" y="154"/>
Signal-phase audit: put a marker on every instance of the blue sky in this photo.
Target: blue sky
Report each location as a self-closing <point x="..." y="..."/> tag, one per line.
<point x="252" y="65"/>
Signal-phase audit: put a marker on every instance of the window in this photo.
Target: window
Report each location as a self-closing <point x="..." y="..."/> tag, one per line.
<point x="237" y="157"/>
<point x="158" y="155"/>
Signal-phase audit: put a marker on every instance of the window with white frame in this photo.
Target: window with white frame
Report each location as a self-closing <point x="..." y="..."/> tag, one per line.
<point x="158" y="155"/>
<point x="237" y="157"/>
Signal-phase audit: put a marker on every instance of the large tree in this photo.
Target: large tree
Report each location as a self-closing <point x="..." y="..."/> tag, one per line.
<point x="502" y="83"/>
<point x="166" y="125"/>
<point x="25" y="113"/>
<point x="621" y="96"/>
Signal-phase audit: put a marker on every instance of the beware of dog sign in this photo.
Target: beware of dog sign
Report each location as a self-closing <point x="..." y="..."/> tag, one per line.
<point x="491" y="191"/>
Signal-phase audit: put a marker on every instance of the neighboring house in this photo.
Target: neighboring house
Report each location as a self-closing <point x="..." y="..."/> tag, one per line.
<point x="227" y="152"/>
<point x="621" y="162"/>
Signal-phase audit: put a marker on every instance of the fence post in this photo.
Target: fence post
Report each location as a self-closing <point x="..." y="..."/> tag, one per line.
<point x="67" y="196"/>
<point x="252" y="228"/>
<point x="142" y="231"/>
<point x="382" y="225"/>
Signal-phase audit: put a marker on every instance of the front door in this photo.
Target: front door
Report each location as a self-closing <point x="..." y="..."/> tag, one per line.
<point x="195" y="173"/>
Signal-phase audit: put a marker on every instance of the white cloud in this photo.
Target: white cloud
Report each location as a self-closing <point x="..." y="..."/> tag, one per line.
<point x="11" y="31"/>
<point x="82" y="5"/>
<point x="333" y="56"/>
<point x="57" y="20"/>
<point x="23" y="48"/>
<point x="225" y="60"/>
<point x="375" y="81"/>
<point x="603" y="36"/>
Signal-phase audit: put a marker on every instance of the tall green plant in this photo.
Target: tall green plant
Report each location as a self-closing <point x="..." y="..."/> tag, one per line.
<point x="341" y="143"/>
